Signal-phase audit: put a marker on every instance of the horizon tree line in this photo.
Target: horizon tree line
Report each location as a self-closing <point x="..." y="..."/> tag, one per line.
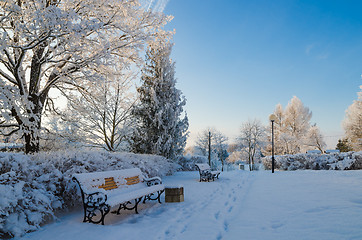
<point x="293" y="133"/>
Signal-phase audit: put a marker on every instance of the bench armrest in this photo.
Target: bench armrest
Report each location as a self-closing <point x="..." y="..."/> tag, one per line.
<point x="152" y="181"/>
<point x="91" y="198"/>
<point x="205" y="172"/>
<point x="95" y="199"/>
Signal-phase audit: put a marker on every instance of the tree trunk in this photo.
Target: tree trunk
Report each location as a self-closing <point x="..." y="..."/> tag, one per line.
<point x="32" y="131"/>
<point x="31" y="142"/>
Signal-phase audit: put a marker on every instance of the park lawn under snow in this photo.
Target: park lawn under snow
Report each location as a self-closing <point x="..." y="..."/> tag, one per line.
<point x="240" y="205"/>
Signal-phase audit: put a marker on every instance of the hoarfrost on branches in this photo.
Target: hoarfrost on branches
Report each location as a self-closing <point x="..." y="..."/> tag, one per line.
<point x="100" y="112"/>
<point x="218" y="145"/>
<point x="251" y="140"/>
<point x="57" y="44"/>
<point x="292" y="129"/>
<point x="353" y="123"/>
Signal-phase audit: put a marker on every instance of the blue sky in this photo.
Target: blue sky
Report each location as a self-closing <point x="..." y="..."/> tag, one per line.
<point x="237" y="59"/>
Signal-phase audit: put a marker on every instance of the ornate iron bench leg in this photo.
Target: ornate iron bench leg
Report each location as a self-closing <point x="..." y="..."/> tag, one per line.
<point x="90" y="213"/>
<point x="125" y="207"/>
<point x="137" y="201"/>
<point x="149" y="196"/>
<point x="104" y="214"/>
<point x="159" y="195"/>
<point x="85" y="212"/>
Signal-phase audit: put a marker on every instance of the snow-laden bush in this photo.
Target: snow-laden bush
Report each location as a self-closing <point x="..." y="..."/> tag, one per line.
<point x="333" y="161"/>
<point x="188" y="161"/>
<point x="34" y="187"/>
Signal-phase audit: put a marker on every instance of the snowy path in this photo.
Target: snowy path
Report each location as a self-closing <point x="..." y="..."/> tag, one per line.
<point x="208" y="209"/>
<point x="240" y="205"/>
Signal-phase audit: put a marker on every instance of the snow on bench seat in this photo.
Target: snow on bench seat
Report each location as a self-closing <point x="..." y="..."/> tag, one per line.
<point x="116" y="197"/>
<point x="205" y="172"/>
<point x="103" y="190"/>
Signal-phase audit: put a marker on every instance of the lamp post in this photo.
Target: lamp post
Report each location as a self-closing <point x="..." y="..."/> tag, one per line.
<point x="272" y="118"/>
<point x="209" y="149"/>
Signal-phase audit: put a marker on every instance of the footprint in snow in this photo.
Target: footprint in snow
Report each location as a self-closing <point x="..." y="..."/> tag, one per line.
<point x="226" y="226"/>
<point x="217" y="215"/>
<point x="277" y="225"/>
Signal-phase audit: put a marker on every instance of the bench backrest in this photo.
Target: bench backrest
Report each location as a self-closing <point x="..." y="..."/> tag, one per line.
<point x="203" y="166"/>
<point x="109" y="180"/>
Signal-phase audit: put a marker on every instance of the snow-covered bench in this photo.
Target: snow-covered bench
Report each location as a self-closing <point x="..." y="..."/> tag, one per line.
<point x="103" y="190"/>
<point x="205" y="172"/>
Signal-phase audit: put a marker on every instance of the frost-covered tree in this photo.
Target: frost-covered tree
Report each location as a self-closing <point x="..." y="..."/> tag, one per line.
<point x="315" y="138"/>
<point x="160" y="127"/>
<point x="47" y="44"/>
<point x="218" y="145"/>
<point x="353" y="123"/>
<point x="296" y="123"/>
<point x="58" y="134"/>
<point x="103" y="111"/>
<point x="292" y="127"/>
<point x="252" y="139"/>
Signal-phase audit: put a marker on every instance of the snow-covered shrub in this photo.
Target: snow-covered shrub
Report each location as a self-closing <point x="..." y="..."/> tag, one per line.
<point x="25" y="201"/>
<point x="357" y="164"/>
<point x="334" y="161"/>
<point x="188" y="161"/>
<point x="34" y="187"/>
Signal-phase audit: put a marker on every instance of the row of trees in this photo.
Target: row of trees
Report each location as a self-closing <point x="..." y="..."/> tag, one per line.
<point x="88" y="52"/>
<point x="293" y="134"/>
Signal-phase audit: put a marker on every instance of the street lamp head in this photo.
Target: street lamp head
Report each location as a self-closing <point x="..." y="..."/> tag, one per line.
<point x="272" y="117"/>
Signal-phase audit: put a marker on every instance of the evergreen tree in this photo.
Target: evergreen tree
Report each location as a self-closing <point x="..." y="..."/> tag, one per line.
<point x="159" y="127"/>
<point x="343" y="145"/>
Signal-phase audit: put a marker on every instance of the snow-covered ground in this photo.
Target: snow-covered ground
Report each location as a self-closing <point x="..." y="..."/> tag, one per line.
<point x="240" y="205"/>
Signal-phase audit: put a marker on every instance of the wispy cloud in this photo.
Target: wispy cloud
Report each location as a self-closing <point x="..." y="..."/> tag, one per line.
<point x="314" y="50"/>
<point x="161" y="5"/>
<point x="323" y="56"/>
<point x="154" y="5"/>
<point x="309" y="48"/>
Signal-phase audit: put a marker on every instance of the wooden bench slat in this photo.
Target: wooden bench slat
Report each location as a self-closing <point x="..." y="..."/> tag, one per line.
<point x="132" y="180"/>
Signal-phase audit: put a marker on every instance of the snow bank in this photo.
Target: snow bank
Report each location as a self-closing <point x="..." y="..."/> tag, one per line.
<point x="334" y="161"/>
<point x="34" y="187"/>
